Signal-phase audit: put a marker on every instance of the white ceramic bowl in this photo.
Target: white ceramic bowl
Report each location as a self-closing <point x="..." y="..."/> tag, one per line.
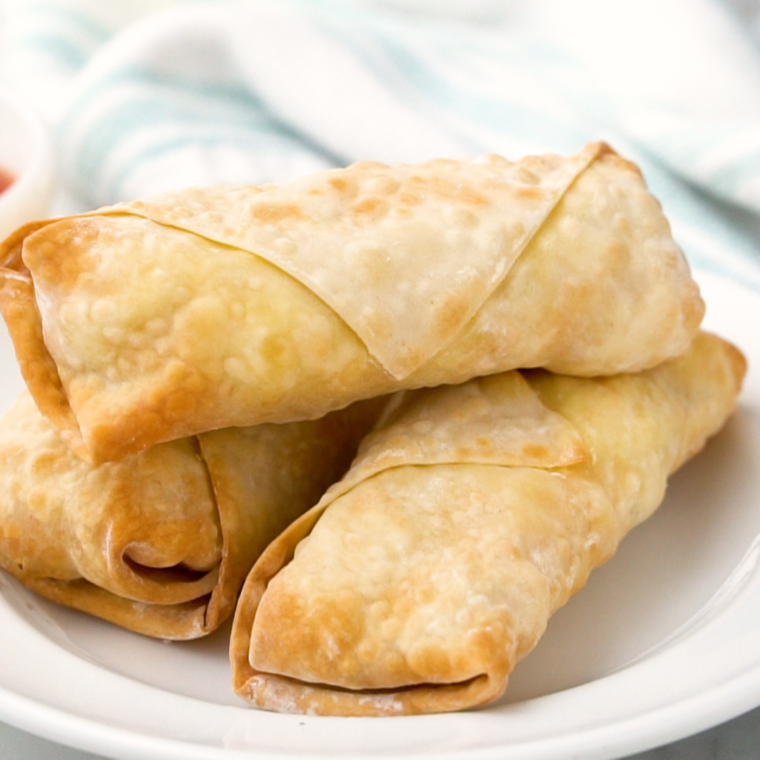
<point x="26" y="153"/>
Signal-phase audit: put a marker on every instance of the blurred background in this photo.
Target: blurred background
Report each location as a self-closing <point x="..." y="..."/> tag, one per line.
<point x="141" y="96"/>
<point x="148" y="95"/>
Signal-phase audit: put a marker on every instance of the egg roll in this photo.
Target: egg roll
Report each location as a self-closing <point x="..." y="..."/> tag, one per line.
<point x="472" y="514"/>
<point x="214" y="307"/>
<point x="161" y="541"/>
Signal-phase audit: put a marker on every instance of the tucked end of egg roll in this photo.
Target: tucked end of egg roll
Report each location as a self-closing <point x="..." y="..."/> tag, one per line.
<point x="472" y="514"/>
<point x="217" y="307"/>
<point x="160" y="542"/>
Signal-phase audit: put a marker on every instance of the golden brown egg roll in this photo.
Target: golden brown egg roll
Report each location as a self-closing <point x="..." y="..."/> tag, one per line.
<point x="421" y="579"/>
<point x="207" y="308"/>
<point x="161" y="541"/>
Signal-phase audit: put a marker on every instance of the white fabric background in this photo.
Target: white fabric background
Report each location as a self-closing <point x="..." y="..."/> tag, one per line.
<point x="144" y="99"/>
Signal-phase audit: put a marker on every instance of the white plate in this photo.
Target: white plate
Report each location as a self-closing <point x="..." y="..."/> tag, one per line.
<point x="663" y="641"/>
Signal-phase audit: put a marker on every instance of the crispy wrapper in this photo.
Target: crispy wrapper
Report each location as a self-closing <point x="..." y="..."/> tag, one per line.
<point x="161" y="541"/>
<point x="196" y="310"/>
<point x="473" y="513"/>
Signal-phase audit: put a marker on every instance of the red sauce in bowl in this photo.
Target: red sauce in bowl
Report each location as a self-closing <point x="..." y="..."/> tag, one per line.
<point x="5" y="180"/>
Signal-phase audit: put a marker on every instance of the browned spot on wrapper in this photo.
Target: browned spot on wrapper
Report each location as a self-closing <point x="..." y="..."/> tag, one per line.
<point x="371" y="205"/>
<point x="271" y="213"/>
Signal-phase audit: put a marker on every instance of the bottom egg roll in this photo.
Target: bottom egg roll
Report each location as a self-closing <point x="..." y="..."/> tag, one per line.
<point x="161" y="541"/>
<point x="470" y="515"/>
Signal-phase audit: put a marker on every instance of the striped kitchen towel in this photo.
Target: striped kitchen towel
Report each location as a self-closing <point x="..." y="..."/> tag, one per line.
<point x="148" y="96"/>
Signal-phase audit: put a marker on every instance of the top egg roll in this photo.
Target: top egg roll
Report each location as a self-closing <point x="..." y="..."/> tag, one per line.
<point x="206" y="308"/>
<point x="468" y="517"/>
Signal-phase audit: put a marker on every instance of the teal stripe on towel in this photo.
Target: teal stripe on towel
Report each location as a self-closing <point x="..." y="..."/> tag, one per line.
<point x="67" y="53"/>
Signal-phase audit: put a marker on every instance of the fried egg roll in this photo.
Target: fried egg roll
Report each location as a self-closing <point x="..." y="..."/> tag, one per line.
<point x="474" y="512"/>
<point x="161" y="541"/>
<point x="207" y="308"/>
